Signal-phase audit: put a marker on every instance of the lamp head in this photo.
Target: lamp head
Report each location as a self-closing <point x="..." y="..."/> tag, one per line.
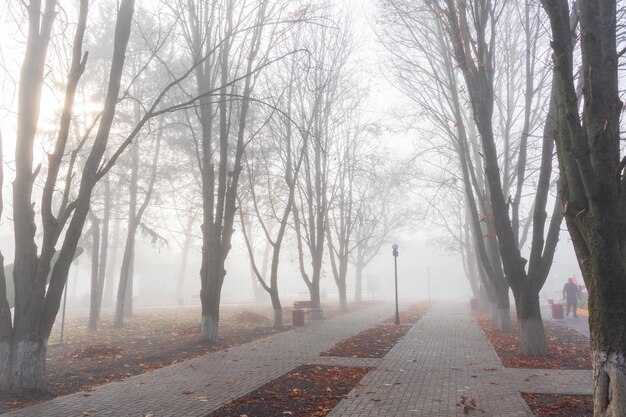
<point x="394" y="246"/>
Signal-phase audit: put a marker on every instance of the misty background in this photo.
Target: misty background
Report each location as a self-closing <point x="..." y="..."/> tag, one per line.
<point x="428" y="263"/>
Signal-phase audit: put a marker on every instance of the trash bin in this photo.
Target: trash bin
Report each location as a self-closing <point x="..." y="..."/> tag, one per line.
<point x="297" y="317"/>
<point x="557" y="311"/>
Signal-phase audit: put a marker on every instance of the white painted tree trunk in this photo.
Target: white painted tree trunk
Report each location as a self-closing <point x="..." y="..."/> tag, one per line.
<point x="493" y="311"/>
<point x="209" y="328"/>
<point x="5" y="364"/>
<point x="278" y="318"/>
<point x="609" y="375"/>
<point x="24" y="366"/>
<point x="504" y="320"/>
<point x="532" y="340"/>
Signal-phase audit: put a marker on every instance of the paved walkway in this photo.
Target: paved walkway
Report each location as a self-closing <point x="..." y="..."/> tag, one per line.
<point x="443" y="358"/>
<point x="198" y="386"/>
<point x="580" y="324"/>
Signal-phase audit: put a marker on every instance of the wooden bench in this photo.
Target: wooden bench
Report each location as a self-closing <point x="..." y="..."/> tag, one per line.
<point x="309" y="309"/>
<point x="302" y="305"/>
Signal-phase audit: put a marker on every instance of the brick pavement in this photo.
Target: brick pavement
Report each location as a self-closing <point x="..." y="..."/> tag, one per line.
<point x="209" y="380"/>
<point x="580" y="324"/>
<point x="444" y="356"/>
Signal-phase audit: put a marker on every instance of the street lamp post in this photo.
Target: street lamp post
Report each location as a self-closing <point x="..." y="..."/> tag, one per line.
<point x="395" y="265"/>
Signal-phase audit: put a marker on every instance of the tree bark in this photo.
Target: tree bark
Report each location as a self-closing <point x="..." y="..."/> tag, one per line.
<point x="504" y="310"/>
<point x="103" y="256"/>
<point x="278" y="310"/>
<point x="95" y="241"/>
<point x="594" y="184"/>
<point x="5" y="309"/>
<point x="183" y="262"/>
<point x="37" y="302"/>
<point x="475" y="57"/>
<point x="125" y="289"/>
<point x="109" y="283"/>
<point x="358" y="286"/>
<point x="25" y="365"/>
<point x="532" y="337"/>
<point x="213" y="274"/>
<point x="125" y="281"/>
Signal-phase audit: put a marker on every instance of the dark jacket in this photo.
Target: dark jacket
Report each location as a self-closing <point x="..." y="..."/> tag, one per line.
<point x="570" y="291"/>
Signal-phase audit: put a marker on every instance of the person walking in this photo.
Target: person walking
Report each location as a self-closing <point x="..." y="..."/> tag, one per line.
<point x="571" y="293"/>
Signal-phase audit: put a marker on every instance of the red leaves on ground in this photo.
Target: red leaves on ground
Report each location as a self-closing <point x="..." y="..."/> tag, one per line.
<point x="568" y="349"/>
<point x="377" y="341"/>
<point x="557" y="405"/>
<point x="468" y="404"/>
<point x="152" y="338"/>
<point x="93" y="352"/>
<point x="309" y="390"/>
<point x="371" y="343"/>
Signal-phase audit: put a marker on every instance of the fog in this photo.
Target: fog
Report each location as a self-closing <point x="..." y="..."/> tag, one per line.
<point x="156" y="273"/>
<point x="285" y="142"/>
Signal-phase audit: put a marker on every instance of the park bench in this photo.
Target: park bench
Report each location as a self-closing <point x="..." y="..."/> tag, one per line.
<point x="309" y="309"/>
<point x="302" y="305"/>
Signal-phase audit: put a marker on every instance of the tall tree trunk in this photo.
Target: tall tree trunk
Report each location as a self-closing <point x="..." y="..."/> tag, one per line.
<point x="265" y="264"/>
<point x="183" y="262"/>
<point x="212" y="276"/>
<point x="278" y="309"/>
<point x="343" y="296"/>
<point x="5" y="309"/>
<point x="124" y="286"/>
<point x="475" y="57"/>
<point x="342" y="284"/>
<point x="314" y="295"/>
<point x="109" y="282"/>
<point x="37" y="303"/>
<point x="125" y="281"/>
<point x="130" y="285"/>
<point x="97" y="282"/>
<point x="532" y="337"/>
<point x="95" y="234"/>
<point x="358" y="286"/>
<point x="125" y="289"/>
<point x="504" y="310"/>
<point x="104" y="250"/>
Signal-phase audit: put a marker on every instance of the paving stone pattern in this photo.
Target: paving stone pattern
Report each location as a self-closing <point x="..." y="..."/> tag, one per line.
<point x="580" y="324"/>
<point x="444" y="356"/>
<point x="212" y="379"/>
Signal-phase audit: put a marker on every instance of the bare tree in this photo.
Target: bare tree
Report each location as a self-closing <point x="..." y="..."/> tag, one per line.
<point x="352" y="151"/>
<point x="380" y="213"/>
<point x="593" y="181"/>
<point x="318" y="98"/>
<point x="99" y="256"/>
<point x="65" y="204"/>
<point x="125" y="287"/>
<point x="272" y="169"/>
<point x="182" y="272"/>
<point x="423" y="68"/>
<point x="473" y="42"/>
<point x="23" y="341"/>
<point x="231" y="37"/>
